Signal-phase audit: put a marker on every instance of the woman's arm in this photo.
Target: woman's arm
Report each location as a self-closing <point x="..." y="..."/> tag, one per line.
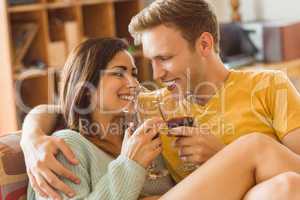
<point x="40" y="149"/>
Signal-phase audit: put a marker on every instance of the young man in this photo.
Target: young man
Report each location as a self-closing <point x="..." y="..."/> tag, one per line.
<point x="181" y="37"/>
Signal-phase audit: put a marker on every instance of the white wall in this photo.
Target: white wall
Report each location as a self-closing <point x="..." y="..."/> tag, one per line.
<point x="252" y="10"/>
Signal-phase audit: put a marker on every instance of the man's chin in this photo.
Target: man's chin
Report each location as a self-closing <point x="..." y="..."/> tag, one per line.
<point x="176" y="91"/>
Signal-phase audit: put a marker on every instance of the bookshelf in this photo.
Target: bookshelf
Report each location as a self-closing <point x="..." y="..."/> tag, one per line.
<point x="28" y="76"/>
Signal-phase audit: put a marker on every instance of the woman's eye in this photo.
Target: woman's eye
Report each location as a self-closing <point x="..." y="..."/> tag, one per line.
<point x="119" y="74"/>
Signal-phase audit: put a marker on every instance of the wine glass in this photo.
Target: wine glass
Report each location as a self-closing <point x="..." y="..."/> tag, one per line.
<point x="143" y="95"/>
<point x="177" y="114"/>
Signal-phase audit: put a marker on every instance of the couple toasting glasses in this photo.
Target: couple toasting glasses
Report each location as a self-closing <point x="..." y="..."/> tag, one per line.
<point x="244" y="142"/>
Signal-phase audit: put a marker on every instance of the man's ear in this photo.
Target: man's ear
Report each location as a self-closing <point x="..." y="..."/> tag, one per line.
<point x="205" y="44"/>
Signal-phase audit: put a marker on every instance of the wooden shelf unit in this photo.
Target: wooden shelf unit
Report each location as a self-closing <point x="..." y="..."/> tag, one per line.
<point x="88" y="18"/>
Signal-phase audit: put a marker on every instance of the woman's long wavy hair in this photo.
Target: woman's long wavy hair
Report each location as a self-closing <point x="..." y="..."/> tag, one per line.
<point x="81" y="73"/>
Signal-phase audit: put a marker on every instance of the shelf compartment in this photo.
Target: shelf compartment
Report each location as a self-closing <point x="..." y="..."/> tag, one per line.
<point x="64" y="27"/>
<point x="57" y="20"/>
<point x="37" y="49"/>
<point x="98" y="20"/>
<point x="57" y="5"/>
<point x="43" y="83"/>
<point x="93" y="2"/>
<point x="26" y="8"/>
<point x="125" y="10"/>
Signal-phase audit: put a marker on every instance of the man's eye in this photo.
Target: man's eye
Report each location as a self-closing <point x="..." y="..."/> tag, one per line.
<point x="165" y="58"/>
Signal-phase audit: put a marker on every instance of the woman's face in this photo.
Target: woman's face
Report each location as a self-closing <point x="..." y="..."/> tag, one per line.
<point x="116" y="90"/>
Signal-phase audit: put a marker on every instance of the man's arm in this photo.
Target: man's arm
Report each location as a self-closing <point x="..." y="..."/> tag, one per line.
<point x="40" y="120"/>
<point x="40" y="149"/>
<point x="292" y="140"/>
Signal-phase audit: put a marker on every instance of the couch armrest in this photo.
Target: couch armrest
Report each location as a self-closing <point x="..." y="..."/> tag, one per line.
<point x="13" y="177"/>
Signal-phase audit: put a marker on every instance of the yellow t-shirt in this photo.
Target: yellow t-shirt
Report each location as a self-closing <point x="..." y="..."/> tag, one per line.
<point x="249" y="101"/>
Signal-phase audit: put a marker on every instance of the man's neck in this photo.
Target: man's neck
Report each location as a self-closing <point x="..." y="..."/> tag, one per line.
<point x="215" y="78"/>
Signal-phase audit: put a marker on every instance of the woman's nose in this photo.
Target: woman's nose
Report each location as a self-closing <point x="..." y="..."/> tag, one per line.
<point x="132" y="82"/>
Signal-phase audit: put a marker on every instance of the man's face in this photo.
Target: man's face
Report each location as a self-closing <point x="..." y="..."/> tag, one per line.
<point x="174" y="62"/>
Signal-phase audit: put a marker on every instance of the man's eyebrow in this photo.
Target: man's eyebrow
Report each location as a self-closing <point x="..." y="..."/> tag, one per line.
<point x="160" y="56"/>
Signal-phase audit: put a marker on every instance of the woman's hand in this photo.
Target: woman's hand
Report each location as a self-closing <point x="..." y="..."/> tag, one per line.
<point x="43" y="168"/>
<point x="142" y="145"/>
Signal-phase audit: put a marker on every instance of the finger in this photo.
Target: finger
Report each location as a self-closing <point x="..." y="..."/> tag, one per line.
<point x="67" y="152"/>
<point x="154" y="152"/>
<point x="152" y="134"/>
<point x="129" y="131"/>
<point x="35" y="186"/>
<point x="196" y="159"/>
<point x="57" y="184"/>
<point x="157" y="151"/>
<point x="61" y="170"/>
<point x="131" y="128"/>
<point x="185" y="131"/>
<point x="186" y="151"/>
<point x="148" y="125"/>
<point x="186" y="141"/>
<point x="46" y="188"/>
<point x="155" y="143"/>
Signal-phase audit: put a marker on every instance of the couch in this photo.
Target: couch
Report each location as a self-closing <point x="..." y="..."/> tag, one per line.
<point x="13" y="177"/>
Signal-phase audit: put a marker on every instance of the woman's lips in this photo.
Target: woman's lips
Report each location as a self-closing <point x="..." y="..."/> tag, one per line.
<point x="126" y="97"/>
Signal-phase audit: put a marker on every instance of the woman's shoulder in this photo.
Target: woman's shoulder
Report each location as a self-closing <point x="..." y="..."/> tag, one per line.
<point x="74" y="139"/>
<point x="69" y="135"/>
<point x="78" y="143"/>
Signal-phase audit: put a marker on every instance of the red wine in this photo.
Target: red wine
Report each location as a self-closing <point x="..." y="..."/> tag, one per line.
<point x="180" y="121"/>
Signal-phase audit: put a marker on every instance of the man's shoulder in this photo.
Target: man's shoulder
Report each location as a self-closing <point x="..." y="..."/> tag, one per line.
<point x="256" y="76"/>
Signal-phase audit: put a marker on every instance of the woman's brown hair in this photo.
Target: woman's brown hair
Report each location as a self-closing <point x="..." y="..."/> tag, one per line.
<point x="82" y="71"/>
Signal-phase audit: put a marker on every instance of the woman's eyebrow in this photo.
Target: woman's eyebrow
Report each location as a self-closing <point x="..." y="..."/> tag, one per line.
<point x="120" y="67"/>
<point x="134" y="69"/>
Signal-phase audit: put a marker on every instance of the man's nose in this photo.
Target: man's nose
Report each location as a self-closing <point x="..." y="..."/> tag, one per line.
<point x="158" y="71"/>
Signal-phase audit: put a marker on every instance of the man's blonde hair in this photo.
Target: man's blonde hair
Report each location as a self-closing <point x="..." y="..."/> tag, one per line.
<point x="190" y="17"/>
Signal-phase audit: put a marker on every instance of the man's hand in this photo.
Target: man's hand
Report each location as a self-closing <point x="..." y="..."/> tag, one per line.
<point x="195" y="145"/>
<point x="43" y="168"/>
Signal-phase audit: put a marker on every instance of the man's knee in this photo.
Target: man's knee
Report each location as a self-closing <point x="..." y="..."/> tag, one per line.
<point x="288" y="180"/>
<point x="281" y="187"/>
<point x="256" y="141"/>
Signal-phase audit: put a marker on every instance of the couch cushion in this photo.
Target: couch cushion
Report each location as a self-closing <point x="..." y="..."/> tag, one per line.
<point x="13" y="178"/>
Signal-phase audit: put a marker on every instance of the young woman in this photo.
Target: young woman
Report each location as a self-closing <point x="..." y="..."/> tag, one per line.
<point x="98" y="85"/>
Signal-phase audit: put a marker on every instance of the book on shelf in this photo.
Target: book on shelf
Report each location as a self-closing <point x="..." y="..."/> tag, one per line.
<point x="23" y="35"/>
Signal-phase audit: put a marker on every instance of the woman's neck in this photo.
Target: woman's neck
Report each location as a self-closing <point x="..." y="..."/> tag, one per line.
<point x="110" y="139"/>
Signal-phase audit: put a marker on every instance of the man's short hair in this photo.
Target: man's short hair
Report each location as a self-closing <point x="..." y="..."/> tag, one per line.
<point x="190" y="17"/>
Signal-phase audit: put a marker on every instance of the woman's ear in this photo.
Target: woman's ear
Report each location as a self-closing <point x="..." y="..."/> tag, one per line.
<point x="205" y="44"/>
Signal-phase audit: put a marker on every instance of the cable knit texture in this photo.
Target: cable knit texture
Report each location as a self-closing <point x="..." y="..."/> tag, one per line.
<point x="100" y="175"/>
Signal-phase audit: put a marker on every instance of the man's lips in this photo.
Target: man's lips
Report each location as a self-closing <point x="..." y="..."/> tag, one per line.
<point x="170" y="84"/>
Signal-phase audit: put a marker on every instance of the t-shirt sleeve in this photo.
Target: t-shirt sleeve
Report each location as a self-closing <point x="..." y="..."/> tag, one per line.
<point x="284" y="105"/>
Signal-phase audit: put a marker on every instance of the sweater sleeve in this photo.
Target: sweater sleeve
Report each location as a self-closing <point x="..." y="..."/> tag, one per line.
<point x="119" y="179"/>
